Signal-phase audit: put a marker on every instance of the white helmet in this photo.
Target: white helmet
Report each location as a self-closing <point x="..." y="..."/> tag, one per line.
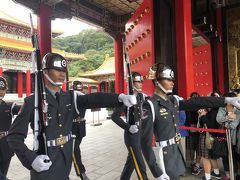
<point x="161" y="71"/>
<point x="54" y="61"/>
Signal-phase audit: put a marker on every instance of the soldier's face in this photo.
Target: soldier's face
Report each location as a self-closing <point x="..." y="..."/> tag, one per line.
<point x="138" y="85"/>
<point x="56" y="75"/>
<point x="167" y="84"/>
<point x="2" y="93"/>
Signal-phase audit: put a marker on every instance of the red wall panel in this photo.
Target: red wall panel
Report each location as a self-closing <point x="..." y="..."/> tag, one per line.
<point x="202" y="69"/>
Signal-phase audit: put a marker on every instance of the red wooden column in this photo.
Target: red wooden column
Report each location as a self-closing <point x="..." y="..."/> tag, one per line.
<point x="1" y="71"/>
<point x="119" y="70"/>
<point x="220" y="51"/>
<point x="106" y="86"/>
<point x="44" y="28"/>
<point x="184" y="47"/>
<point x="28" y="83"/>
<point x="20" y="84"/>
<point x="98" y="88"/>
<point x="89" y="89"/>
<point x="64" y="86"/>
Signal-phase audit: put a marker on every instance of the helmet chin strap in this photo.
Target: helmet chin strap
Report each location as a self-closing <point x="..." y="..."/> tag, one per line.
<point x="162" y="88"/>
<point x="137" y="89"/>
<point x="51" y="81"/>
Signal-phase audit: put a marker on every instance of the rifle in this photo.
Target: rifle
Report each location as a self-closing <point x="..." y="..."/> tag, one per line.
<point x="131" y="110"/>
<point x="130" y="78"/>
<point x="40" y="103"/>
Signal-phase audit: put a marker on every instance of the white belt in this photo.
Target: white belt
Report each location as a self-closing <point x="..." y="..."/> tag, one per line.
<point x="166" y="143"/>
<point x="78" y="120"/>
<point x="59" y="141"/>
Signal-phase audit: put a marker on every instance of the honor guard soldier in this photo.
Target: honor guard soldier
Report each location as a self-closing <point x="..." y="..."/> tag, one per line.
<point x="79" y="130"/>
<point x="132" y="133"/>
<point x="7" y="111"/>
<point x="161" y="119"/>
<point x="56" y="164"/>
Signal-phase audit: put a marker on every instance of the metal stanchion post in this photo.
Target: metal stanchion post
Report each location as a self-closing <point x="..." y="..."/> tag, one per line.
<point x="98" y="122"/>
<point x="230" y="158"/>
<point x="98" y="117"/>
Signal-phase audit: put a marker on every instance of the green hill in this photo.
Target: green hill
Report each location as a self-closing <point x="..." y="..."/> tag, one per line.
<point x="93" y="44"/>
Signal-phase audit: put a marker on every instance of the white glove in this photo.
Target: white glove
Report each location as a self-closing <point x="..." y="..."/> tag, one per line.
<point x="133" y="129"/>
<point x="235" y="101"/>
<point x="39" y="165"/>
<point x="128" y="100"/>
<point x="164" y="176"/>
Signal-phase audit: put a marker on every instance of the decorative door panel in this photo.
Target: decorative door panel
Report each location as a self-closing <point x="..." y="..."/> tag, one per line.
<point x="202" y="69"/>
<point x="139" y="32"/>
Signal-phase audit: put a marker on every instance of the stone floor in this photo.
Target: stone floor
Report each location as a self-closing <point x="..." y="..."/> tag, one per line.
<point x="103" y="152"/>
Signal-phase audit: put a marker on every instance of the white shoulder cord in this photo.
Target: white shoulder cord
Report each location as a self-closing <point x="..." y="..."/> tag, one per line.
<point x="144" y="96"/>
<point x="75" y="94"/>
<point x="13" y="104"/>
<point x="178" y="98"/>
<point x="152" y="109"/>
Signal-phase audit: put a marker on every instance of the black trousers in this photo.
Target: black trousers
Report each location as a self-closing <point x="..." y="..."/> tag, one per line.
<point x="77" y="160"/>
<point x="2" y="176"/>
<point x="4" y="165"/>
<point x="134" y="159"/>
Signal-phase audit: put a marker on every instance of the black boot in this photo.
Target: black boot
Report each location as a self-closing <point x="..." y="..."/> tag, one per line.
<point x="83" y="176"/>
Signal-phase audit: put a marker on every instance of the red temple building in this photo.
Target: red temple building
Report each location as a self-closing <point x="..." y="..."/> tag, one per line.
<point x="199" y="39"/>
<point x="105" y="75"/>
<point x="15" y="54"/>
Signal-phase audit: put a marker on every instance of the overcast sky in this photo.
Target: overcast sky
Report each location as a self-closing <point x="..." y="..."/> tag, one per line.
<point x="69" y="27"/>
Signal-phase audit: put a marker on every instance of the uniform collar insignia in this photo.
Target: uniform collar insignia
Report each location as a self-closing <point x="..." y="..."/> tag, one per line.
<point x="162" y="110"/>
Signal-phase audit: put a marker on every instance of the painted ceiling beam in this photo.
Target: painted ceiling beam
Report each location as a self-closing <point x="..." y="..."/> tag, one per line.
<point x="85" y="10"/>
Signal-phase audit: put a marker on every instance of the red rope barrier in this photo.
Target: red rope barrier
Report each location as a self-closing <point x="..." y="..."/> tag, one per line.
<point x="203" y="129"/>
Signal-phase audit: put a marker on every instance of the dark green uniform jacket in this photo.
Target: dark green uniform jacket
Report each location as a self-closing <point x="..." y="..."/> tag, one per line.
<point x="6" y="113"/>
<point x="164" y="127"/>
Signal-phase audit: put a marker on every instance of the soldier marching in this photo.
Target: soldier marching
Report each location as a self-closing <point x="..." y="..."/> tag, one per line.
<point x="158" y="116"/>
<point x="7" y="111"/>
<point x="61" y="111"/>
<point x="132" y="133"/>
<point x="161" y="119"/>
<point x="79" y="130"/>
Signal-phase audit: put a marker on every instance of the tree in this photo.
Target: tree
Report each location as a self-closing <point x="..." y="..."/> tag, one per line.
<point x="85" y="40"/>
<point x="92" y="43"/>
